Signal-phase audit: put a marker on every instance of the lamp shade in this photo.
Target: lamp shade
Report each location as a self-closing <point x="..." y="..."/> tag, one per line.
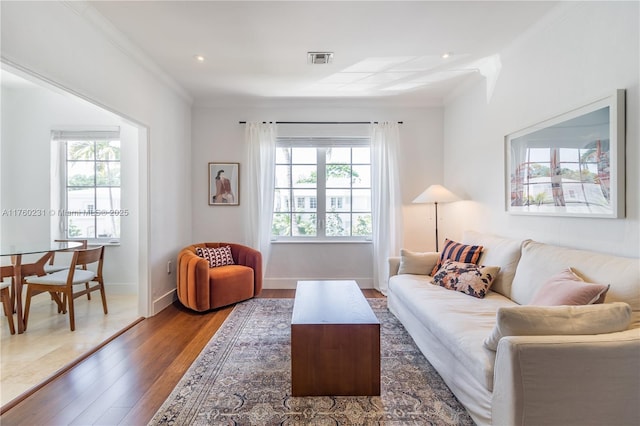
<point x="436" y="194"/>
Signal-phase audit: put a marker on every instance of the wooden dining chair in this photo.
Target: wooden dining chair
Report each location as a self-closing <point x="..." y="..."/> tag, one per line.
<point x="63" y="282"/>
<point x="5" y="295"/>
<point x="52" y="267"/>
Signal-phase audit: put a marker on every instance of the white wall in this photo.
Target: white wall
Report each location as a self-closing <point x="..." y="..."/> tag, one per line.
<point x="65" y="43"/>
<point x="29" y="113"/>
<point x="218" y="137"/>
<point x="584" y="52"/>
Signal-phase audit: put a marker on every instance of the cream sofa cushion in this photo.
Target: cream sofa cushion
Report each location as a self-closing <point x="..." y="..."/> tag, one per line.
<point x="459" y="322"/>
<point x="541" y="261"/>
<point x="417" y="263"/>
<point x="558" y="320"/>
<point x="497" y="251"/>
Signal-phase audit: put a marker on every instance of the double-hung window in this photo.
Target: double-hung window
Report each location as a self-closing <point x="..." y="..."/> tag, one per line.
<point x="322" y="189"/>
<point x="89" y="188"/>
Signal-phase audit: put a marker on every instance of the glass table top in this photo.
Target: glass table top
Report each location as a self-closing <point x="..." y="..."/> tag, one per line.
<point x="12" y="249"/>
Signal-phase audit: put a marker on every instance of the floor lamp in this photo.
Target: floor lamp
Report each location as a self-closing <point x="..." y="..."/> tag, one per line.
<point x="435" y="194"/>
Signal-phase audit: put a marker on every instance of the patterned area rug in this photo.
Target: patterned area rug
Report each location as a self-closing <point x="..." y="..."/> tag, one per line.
<point x="243" y="377"/>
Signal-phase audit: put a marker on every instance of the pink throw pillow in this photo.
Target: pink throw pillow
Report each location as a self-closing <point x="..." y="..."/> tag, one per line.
<point x="566" y="288"/>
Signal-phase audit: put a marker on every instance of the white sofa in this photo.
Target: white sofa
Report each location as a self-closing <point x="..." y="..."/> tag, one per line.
<point x="581" y="379"/>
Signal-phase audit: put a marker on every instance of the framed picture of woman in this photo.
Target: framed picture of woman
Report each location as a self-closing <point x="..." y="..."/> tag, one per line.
<point x="224" y="184"/>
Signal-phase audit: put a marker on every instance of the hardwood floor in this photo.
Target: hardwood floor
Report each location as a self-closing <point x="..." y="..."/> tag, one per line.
<point x="126" y="381"/>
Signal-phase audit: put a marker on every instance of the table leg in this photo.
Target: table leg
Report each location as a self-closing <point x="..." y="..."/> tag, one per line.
<point x="17" y="291"/>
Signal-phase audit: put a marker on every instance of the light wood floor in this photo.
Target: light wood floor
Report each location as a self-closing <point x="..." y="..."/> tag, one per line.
<point x="48" y="345"/>
<point x="126" y="381"/>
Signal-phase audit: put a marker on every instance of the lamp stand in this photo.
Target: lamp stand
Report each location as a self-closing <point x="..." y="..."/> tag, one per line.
<point x="436" y="226"/>
<point x="436" y="194"/>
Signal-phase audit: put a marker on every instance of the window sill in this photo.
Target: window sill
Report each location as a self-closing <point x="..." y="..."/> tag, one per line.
<point x="106" y="243"/>
<point x="296" y="241"/>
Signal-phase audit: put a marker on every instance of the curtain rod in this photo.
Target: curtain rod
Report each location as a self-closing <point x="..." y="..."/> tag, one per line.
<point x="319" y="122"/>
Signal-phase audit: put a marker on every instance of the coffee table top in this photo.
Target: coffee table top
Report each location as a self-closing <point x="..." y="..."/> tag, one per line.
<point x="331" y="302"/>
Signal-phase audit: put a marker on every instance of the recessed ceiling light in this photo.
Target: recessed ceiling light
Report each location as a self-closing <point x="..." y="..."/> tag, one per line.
<point x="319" y="57"/>
<point x="446" y="55"/>
<point x="199" y="58"/>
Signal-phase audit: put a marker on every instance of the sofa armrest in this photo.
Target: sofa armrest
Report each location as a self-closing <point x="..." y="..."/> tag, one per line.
<point x="193" y="274"/>
<point x="394" y="266"/>
<point x="567" y="380"/>
<point x="252" y="258"/>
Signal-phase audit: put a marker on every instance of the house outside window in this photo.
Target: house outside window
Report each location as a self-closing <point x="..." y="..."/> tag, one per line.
<point x="336" y="203"/>
<point x="563" y="176"/>
<point x="333" y="177"/>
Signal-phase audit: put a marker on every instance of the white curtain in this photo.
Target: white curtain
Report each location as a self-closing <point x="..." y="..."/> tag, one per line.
<point x="261" y="142"/>
<point x="386" y="200"/>
<point x="58" y="187"/>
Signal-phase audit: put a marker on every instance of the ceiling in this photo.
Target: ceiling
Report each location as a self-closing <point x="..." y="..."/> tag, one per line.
<point x="382" y="49"/>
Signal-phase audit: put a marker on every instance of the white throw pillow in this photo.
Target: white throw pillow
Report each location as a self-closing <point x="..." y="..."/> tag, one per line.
<point x="558" y="320"/>
<point x="417" y="263"/>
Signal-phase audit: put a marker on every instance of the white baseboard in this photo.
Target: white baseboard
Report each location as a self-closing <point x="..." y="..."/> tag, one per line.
<point x="164" y="301"/>
<point x="290" y="283"/>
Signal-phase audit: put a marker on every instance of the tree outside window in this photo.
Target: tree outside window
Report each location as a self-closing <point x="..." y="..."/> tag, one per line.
<point x="92" y="189"/>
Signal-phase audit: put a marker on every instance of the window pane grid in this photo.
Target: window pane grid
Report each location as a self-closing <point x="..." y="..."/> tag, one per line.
<point x="331" y="196"/>
<point x="92" y="189"/>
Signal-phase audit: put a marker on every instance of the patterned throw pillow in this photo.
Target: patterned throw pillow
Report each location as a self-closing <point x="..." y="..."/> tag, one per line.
<point x="458" y="252"/>
<point x="467" y="278"/>
<point x="216" y="256"/>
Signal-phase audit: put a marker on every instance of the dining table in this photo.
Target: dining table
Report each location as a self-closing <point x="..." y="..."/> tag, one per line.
<point x="21" y="270"/>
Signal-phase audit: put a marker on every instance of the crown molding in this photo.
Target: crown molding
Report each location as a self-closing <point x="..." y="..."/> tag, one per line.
<point x="317" y="102"/>
<point x="90" y="14"/>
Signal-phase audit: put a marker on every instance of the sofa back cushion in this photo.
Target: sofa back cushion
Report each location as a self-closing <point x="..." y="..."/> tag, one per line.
<point x="539" y="262"/>
<point x="497" y="251"/>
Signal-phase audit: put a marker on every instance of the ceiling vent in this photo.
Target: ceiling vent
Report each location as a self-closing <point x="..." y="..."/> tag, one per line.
<point x="319" y="57"/>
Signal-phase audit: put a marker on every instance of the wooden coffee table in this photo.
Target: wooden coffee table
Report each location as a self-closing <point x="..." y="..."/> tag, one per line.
<point x="335" y="341"/>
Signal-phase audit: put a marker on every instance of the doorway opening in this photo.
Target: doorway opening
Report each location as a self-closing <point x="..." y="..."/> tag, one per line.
<point x="31" y="109"/>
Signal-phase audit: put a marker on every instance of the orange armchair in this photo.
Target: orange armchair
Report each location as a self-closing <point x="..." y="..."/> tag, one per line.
<point x="202" y="288"/>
